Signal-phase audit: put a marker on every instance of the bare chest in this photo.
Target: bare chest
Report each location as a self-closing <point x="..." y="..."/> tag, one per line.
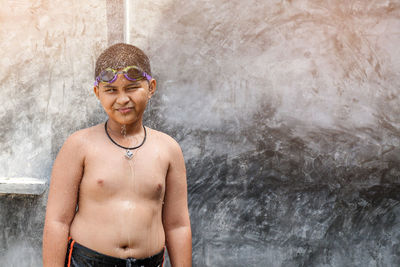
<point x="108" y="173"/>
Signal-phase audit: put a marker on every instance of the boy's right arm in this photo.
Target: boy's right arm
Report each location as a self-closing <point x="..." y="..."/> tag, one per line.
<point x="61" y="205"/>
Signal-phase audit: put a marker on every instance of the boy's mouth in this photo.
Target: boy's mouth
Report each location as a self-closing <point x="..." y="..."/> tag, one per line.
<point x="125" y="110"/>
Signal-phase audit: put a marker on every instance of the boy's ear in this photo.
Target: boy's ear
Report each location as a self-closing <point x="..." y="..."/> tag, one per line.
<point x="96" y="91"/>
<point x="152" y="87"/>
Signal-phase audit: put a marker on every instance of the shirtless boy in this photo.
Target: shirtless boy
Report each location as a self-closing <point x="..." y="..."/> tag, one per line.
<point x="118" y="191"/>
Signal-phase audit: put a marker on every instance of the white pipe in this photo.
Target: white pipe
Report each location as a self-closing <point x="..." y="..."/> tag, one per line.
<point x="126" y="21"/>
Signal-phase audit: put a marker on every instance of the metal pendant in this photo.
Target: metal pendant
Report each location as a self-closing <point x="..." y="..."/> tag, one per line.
<point x="129" y="154"/>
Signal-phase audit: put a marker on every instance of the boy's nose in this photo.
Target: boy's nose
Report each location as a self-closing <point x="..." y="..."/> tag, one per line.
<point x="122" y="98"/>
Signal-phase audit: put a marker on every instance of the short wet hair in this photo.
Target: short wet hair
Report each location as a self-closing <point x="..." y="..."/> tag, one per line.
<point x="122" y="55"/>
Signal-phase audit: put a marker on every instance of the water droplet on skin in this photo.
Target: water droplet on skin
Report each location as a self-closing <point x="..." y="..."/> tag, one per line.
<point x="123" y="130"/>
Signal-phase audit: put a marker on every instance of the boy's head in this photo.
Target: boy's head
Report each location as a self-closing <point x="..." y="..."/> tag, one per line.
<point x="122" y="55"/>
<point x="125" y="90"/>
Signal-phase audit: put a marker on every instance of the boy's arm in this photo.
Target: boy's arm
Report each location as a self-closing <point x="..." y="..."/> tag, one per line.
<point x="175" y="212"/>
<point x="65" y="179"/>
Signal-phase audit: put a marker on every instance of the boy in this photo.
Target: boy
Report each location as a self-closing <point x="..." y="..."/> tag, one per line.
<point x="118" y="190"/>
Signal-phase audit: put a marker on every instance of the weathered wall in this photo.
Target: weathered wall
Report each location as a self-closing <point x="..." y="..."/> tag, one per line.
<point x="287" y="113"/>
<point x="47" y="49"/>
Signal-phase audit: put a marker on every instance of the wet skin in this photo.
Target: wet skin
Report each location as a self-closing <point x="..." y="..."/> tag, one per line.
<point x="121" y="200"/>
<point x="127" y="208"/>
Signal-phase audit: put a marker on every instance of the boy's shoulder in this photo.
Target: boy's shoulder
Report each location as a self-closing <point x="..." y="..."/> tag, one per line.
<point x="89" y="131"/>
<point x="164" y="139"/>
<point x="82" y="136"/>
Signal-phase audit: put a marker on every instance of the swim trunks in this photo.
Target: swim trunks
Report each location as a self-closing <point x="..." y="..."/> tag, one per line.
<point x="81" y="256"/>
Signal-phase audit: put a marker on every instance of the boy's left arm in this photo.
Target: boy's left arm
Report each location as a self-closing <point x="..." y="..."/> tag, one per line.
<point x="175" y="212"/>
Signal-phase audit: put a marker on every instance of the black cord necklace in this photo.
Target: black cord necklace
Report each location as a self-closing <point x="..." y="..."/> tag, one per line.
<point x="129" y="153"/>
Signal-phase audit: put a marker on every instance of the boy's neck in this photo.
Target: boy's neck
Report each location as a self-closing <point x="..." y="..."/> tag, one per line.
<point x="125" y="129"/>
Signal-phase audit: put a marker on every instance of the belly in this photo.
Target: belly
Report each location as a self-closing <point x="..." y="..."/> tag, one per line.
<point x="120" y="228"/>
<point x="120" y="204"/>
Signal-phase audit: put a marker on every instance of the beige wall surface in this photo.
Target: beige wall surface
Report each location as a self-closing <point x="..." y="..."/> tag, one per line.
<point x="47" y="55"/>
<point x="48" y="49"/>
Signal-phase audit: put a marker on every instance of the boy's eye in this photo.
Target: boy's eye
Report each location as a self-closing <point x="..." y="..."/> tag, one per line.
<point x="110" y="90"/>
<point x="132" y="88"/>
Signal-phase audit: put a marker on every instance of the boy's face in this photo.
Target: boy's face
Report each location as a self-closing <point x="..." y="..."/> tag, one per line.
<point x="124" y="101"/>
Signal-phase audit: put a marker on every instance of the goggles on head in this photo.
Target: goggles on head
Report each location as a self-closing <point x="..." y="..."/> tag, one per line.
<point x="131" y="73"/>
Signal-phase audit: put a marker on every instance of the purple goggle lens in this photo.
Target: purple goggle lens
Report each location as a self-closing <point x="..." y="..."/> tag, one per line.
<point x="132" y="73"/>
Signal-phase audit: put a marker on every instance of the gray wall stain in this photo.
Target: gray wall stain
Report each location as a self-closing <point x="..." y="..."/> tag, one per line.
<point x="287" y="113"/>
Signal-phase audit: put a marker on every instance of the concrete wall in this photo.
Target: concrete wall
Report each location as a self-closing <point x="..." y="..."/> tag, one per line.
<point x="48" y="50"/>
<point x="287" y="113"/>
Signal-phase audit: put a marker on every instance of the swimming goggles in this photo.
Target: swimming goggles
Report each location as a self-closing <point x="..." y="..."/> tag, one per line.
<point x="131" y="73"/>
